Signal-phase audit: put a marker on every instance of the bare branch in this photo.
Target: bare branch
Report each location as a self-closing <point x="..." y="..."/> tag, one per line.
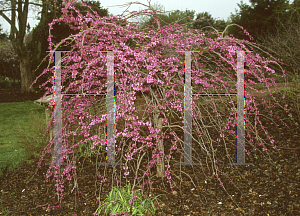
<point x="9" y="21"/>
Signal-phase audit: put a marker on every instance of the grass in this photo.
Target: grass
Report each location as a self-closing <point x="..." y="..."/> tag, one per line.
<point x="22" y="134"/>
<point x="31" y="138"/>
<point x="16" y="116"/>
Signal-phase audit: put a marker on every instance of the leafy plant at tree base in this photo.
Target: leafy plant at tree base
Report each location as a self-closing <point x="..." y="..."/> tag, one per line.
<point x="120" y="201"/>
<point x="148" y="66"/>
<point x="5" y="82"/>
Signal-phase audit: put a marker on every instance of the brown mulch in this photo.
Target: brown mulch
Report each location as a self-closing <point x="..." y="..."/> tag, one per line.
<point x="262" y="189"/>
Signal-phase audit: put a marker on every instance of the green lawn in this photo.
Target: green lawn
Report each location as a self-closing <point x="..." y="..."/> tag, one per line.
<point x="14" y="115"/>
<point x="22" y="128"/>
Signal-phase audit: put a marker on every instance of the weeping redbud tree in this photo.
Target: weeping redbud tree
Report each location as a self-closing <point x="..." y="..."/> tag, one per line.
<point x="155" y="72"/>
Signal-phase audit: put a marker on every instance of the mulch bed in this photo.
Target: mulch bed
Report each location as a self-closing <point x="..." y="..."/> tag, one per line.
<point x="262" y="189"/>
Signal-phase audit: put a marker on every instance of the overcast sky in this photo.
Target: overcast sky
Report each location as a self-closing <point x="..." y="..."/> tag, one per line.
<point x="217" y="8"/>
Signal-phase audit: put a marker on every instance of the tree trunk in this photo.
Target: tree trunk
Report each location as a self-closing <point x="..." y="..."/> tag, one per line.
<point x="158" y="125"/>
<point x="17" y="37"/>
<point x="160" y="164"/>
<point x="43" y="22"/>
<point x="26" y="74"/>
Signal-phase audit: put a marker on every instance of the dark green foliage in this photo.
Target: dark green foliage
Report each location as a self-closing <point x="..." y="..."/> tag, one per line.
<point x="207" y="20"/>
<point x="186" y="18"/>
<point x="60" y="31"/>
<point x="258" y="18"/>
<point x="170" y="19"/>
<point x="9" y="62"/>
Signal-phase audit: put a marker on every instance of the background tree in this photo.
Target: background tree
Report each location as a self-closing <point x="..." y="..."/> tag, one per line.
<point x="256" y="18"/>
<point x="142" y="20"/>
<point x="182" y="18"/>
<point x="176" y="16"/>
<point x="38" y="47"/>
<point x="285" y="42"/>
<point x="207" y="21"/>
<point x="259" y="20"/>
<point x="8" y="58"/>
<point x="17" y="37"/>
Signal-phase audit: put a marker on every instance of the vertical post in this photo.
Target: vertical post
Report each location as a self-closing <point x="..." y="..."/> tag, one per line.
<point x="110" y="107"/>
<point x="240" y="140"/>
<point x="57" y="113"/>
<point x="187" y="113"/>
